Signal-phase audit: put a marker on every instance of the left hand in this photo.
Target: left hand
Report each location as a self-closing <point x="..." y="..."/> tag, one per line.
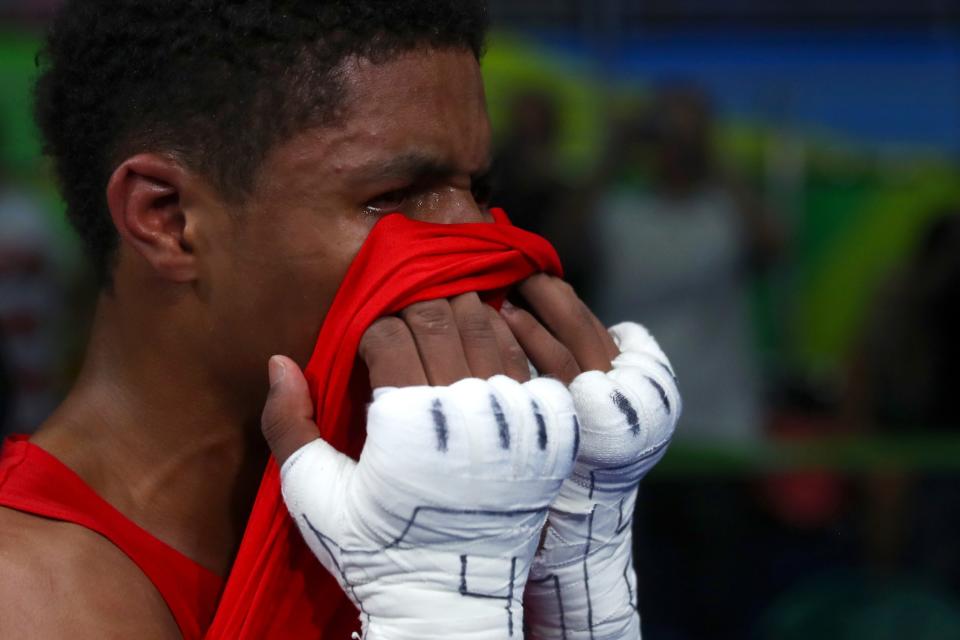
<point x="582" y="583"/>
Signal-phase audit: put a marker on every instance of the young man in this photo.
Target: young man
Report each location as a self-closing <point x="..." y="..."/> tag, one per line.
<point x="224" y="163"/>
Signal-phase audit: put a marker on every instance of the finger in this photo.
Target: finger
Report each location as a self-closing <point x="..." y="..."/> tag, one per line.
<point x="640" y="349"/>
<point x="568" y="318"/>
<point x="287" y="420"/>
<point x="555" y="416"/>
<point x="512" y="355"/>
<point x="477" y="336"/>
<point x="388" y="349"/>
<point x="548" y="354"/>
<point x="437" y="338"/>
<point x="605" y="338"/>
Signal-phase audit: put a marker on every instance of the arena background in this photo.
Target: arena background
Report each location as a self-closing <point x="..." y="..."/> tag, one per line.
<point x="837" y="517"/>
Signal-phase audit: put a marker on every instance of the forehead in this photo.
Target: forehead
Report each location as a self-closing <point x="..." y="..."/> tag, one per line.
<point x="435" y="90"/>
<point x="425" y="103"/>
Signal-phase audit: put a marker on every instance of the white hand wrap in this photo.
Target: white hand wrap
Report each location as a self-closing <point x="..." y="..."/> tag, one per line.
<point x="432" y="532"/>
<point x="582" y="582"/>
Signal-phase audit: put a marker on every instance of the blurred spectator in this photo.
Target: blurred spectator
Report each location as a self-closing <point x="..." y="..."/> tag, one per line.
<point x="906" y="372"/>
<point x="679" y="241"/>
<point x="32" y="309"/>
<point x="530" y="187"/>
<point x="6" y="387"/>
<point x="903" y="380"/>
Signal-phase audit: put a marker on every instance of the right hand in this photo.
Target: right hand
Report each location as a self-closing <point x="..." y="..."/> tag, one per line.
<point x="433" y="530"/>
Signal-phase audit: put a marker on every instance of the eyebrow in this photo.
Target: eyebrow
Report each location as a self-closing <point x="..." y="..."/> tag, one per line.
<point x="413" y="166"/>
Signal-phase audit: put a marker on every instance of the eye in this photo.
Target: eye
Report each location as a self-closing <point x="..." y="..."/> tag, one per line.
<point x="387" y="202"/>
<point x="482" y="189"/>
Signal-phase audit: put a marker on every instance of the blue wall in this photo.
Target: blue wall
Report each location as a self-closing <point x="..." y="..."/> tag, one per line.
<point x="873" y="86"/>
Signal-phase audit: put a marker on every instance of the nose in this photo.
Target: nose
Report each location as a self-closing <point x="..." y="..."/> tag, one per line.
<point x="451" y="205"/>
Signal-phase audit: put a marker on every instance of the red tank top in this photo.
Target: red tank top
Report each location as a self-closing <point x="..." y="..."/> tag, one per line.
<point x="33" y="481"/>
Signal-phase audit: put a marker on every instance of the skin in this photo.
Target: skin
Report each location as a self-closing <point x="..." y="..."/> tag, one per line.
<point x="164" y="419"/>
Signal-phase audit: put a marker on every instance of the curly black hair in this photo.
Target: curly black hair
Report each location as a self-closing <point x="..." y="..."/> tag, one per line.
<point x="217" y="83"/>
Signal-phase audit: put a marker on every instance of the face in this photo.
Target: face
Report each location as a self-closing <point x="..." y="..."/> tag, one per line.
<point x="414" y="137"/>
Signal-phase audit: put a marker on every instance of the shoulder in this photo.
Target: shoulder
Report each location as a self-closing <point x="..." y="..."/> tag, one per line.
<point x="61" y="580"/>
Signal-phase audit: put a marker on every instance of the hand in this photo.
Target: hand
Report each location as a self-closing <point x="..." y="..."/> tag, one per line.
<point x="582" y="583"/>
<point x="432" y="532"/>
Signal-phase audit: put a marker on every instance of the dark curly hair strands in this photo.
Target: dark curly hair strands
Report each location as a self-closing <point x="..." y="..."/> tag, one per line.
<point x="217" y="83"/>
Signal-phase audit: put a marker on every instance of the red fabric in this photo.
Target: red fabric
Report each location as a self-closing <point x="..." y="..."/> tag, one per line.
<point x="277" y="589"/>
<point x="33" y="481"/>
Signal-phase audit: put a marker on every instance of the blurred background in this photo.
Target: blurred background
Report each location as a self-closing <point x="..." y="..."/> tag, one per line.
<point x="773" y="188"/>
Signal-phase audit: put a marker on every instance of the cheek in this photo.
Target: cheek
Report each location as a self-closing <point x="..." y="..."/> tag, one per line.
<point x="276" y="302"/>
<point x="285" y="307"/>
<point x="276" y="308"/>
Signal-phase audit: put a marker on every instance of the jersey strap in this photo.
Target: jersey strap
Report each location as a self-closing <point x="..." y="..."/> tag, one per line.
<point x="33" y="481"/>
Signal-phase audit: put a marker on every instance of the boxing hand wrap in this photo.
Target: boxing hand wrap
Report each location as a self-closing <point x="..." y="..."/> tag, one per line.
<point x="431" y="533"/>
<point x="582" y="582"/>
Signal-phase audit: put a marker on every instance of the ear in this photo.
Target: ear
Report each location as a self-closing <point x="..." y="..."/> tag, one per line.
<point x="145" y="197"/>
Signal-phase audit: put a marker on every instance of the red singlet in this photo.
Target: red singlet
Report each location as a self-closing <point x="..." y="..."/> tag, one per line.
<point x="34" y="482"/>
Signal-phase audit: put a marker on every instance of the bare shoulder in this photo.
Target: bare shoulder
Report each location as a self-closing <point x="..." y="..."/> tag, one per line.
<point x="60" y="580"/>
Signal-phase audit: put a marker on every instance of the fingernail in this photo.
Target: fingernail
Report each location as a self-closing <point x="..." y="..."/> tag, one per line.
<point x="275" y="370"/>
<point x="507" y="307"/>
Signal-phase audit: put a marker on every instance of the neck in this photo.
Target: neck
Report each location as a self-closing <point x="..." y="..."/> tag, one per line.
<point x="149" y="430"/>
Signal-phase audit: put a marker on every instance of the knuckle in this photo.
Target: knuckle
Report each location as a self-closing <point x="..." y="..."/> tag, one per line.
<point x="515" y="355"/>
<point x="433" y="316"/>
<point x="475" y="327"/>
<point x="383" y="332"/>
<point x="386" y="328"/>
<point x="553" y="395"/>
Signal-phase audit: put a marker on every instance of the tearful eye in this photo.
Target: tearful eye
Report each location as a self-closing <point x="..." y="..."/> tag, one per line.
<point x="387" y="202"/>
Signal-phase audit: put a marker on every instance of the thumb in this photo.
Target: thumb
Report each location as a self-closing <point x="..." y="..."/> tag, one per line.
<point x="287" y="420"/>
